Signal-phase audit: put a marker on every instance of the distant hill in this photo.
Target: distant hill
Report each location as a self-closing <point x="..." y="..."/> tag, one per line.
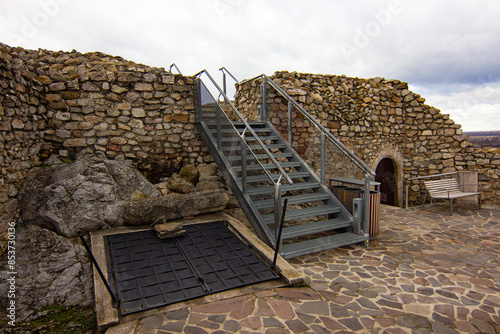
<point x="484" y="138"/>
<point x="483" y="133"/>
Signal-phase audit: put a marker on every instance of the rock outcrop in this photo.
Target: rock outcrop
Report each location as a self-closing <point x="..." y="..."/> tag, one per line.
<point x="174" y="206"/>
<point x="51" y="269"/>
<point x="86" y="195"/>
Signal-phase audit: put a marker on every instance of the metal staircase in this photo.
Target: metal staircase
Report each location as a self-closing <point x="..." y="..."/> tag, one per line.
<point x="262" y="171"/>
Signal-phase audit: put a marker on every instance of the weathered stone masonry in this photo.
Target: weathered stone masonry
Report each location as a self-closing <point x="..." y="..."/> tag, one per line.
<point x="62" y="102"/>
<point x="376" y="118"/>
<point x="59" y="103"/>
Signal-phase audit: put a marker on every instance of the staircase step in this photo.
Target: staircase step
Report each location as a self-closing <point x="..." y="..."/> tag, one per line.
<point x="227" y="130"/>
<point x="211" y="122"/>
<point x="262" y="156"/>
<point x="315" y="227"/>
<point x="252" y="123"/>
<point x="286" y="187"/>
<point x="250" y="139"/>
<point x="290" y="164"/>
<point x="255" y="147"/>
<point x="269" y="203"/>
<point x="304" y="213"/>
<point x="319" y="244"/>
<point x="275" y="177"/>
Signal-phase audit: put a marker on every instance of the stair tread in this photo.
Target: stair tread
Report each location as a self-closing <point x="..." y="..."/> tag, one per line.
<point x="250" y="139"/>
<point x="240" y="130"/>
<point x="260" y="156"/>
<point x="269" y="166"/>
<point x="275" y="177"/>
<point x="285" y="187"/>
<point x="319" y="244"/>
<point x="269" y="203"/>
<point x="315" y="227"/>
<point x="304" y="213"/>
<point x="256" y="147"/>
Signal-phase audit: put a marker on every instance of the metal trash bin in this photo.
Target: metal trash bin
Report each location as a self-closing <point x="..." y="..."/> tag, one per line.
<point x="347" y="195"/>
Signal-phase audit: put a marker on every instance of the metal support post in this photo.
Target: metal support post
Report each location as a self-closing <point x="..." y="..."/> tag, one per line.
<point x="278" y="240"/>
<point x="99" y="271"/>
<point x="243" y="164"/>
<point x="290" y="136"/>
<point x="366" y="209"/>
<point x="323" y="149"/>
<point x="264" y="101"/>
<point x="277" y="206"/>
<point x="219" y="128"/>
<point x="407" y="191"/>
<point x="198" y="92"/>
<point x="224" y="85"/>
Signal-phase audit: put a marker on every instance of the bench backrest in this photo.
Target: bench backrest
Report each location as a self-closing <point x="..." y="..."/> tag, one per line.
<point x="442" y="187"/>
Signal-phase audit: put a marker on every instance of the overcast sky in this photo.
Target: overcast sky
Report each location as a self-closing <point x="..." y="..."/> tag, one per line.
<point x="448" y="50"/>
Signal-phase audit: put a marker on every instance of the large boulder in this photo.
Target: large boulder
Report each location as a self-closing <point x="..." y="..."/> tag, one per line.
<point x="190" y="173"/>
<point x="86" y="195"/>
<point x="51" y="270"/>
<point x="180" y="185"/>
<point x="152" y="210"/>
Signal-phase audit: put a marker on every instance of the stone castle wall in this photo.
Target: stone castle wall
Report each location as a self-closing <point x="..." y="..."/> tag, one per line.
<point x="59" y="103"/>
<point x="376" y="119"/>
<point x="55" y="104"/>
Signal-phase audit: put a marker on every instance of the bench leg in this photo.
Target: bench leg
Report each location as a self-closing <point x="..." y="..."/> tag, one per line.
<point x="451" y="206"/>
<point x="479" y="201"/>
<point x="425" y="198"/>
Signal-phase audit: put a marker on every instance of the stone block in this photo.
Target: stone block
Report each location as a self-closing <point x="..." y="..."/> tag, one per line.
<point x="140" y="86"/>
<point x="75" y="142"/>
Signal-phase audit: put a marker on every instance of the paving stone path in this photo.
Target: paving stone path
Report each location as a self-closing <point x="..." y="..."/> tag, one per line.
<point x="427" y="272"/>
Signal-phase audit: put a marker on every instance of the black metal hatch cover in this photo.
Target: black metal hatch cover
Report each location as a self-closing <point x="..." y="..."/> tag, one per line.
<point x="150" y="272"/>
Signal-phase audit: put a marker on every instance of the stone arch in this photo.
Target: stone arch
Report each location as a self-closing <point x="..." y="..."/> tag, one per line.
<point x="395" y="158"/>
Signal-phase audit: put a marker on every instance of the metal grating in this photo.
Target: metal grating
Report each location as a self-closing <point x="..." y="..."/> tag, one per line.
<point x="149" y="272"/>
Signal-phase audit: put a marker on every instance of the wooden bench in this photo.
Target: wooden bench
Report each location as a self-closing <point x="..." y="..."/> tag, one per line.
<point x="447" y="189"/>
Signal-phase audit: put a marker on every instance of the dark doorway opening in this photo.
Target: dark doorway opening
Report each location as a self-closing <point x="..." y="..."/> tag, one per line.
<point x="385" y="175"/>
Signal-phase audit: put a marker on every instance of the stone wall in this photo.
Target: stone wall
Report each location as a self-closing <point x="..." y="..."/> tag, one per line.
<point x="22" y="121"/>
<point x="376" y="118"/>
<point x="55" y="104"/>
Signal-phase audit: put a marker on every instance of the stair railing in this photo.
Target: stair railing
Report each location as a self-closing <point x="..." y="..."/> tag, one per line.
<point x="325" y="134"/>
<point x="224" y="71"/>
<point x="221" y="116"/>
<point x="174" y="66"/>
<point x="247" y="127"/>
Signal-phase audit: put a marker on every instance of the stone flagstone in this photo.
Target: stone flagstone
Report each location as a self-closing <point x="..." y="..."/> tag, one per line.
<point x="426" y="272"/>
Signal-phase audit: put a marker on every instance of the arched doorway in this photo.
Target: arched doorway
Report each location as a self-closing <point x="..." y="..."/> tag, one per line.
<point x="385" y="174"/>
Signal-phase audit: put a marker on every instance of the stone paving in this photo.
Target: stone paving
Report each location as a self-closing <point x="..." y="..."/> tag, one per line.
<point x="426" y="272"/>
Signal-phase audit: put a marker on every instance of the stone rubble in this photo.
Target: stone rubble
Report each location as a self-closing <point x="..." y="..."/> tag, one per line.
<point x="166" y="230"/>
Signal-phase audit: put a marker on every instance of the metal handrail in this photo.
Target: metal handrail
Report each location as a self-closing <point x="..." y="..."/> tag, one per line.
<point x="247" y="127"/>
<point x="344" y="149"/>
<point x="223" y="69"/>
<point x="173" y="65"/>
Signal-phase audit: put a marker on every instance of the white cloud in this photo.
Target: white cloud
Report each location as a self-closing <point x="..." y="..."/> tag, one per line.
<point x="426" y="43"/>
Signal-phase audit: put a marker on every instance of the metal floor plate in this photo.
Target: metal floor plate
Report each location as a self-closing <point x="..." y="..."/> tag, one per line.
<point x="150" y="272"/>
